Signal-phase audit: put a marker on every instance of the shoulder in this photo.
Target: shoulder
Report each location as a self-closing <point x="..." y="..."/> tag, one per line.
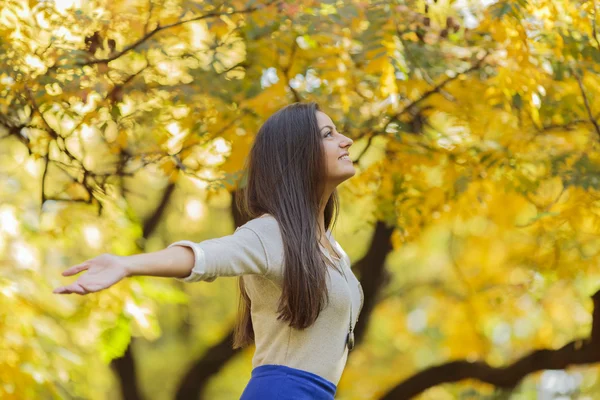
<point x="265" y="225"/>
<point x="266" y="229"/>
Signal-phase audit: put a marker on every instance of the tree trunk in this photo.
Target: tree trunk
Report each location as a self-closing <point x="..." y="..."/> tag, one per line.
<point x="372" y="274"/>
<point x="201" y="370"/>
<point x="124" y="367"/>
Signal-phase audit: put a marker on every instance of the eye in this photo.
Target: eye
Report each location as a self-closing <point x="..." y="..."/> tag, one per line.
<point x="327" y="133"/>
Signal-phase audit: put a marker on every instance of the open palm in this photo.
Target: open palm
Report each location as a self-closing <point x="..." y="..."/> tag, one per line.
<point x="103" y="271"/>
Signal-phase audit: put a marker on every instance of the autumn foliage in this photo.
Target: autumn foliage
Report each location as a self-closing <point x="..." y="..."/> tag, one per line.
<point x="473" y="220"/>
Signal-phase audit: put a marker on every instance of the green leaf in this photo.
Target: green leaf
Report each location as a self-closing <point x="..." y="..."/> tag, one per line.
<point x="115" y="112"/>
<point x="163" y="292"/>
<point x="517" y="101"/>
<point x="380" y="54"/>
<point x="114" y="340"/>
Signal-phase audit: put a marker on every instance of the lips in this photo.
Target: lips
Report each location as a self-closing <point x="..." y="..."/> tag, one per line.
<point x="345" y="158"/>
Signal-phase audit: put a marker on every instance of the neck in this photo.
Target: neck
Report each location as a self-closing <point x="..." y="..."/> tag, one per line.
<point x="327" y="193"/>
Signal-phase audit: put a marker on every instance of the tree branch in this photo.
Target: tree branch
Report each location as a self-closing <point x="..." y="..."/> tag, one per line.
<point x="578" y="352"/>
<point x="594" y="28"/>
<point x="586" y="102"/>
<point x="15" y="131"/>
<point x="287" y="68"/>
<point x="368" y="145"/>
<point x="436" y="89"/>
<point x="410" y="107"/>
<point x="160" y="28"/>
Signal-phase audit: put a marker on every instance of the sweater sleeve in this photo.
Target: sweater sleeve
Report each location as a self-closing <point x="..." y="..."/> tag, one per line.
<point x="238" y="254"/>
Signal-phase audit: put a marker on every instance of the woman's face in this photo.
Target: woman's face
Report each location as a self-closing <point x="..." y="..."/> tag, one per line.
<point x="336" y="145"/>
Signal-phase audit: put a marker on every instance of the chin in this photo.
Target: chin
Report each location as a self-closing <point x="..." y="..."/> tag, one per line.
<point x="352" y="170"/>
<point x="343" y="173"/>
<point x="347" y="174"/>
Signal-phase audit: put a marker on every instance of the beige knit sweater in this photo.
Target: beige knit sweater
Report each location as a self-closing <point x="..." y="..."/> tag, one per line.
<point x="255" y="250"/>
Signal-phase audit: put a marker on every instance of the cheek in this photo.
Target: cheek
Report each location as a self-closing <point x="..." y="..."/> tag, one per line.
<point x="332" y="158"/>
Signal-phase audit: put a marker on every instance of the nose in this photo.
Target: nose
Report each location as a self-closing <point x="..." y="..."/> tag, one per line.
<point x="347" y="142"/>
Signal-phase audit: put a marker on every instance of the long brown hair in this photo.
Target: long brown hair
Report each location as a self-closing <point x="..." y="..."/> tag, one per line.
<point x="285" y="177"/>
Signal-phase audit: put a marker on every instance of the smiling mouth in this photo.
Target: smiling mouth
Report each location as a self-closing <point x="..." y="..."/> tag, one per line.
<point x="345" y="158"/>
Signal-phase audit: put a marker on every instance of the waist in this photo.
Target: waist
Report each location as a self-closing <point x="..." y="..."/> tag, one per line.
<point x="275" y="370"/>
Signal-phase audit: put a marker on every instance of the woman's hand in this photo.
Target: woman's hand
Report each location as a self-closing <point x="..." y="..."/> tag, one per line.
<point x="103" y="271"/>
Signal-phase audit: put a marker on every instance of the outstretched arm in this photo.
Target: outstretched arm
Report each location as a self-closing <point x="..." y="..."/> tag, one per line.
<point x="172" y="262"/>
<point x="238" y="254"/>
<point x="107" y="269"/>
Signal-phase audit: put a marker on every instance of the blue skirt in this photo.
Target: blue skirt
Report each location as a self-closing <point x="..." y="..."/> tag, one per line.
<point x="279" y="382"/>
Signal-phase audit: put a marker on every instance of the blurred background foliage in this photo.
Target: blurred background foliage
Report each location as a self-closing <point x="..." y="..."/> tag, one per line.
<point x="473" y="221"/>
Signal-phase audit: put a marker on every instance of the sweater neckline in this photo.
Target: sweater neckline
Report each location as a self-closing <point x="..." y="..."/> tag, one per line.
<point x="333" y="245"/>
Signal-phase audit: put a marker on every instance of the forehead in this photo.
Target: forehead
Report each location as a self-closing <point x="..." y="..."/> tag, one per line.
<point x="323" y="119"/>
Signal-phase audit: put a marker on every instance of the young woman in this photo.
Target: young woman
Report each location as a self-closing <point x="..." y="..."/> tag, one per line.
<point x="299" y="300"/>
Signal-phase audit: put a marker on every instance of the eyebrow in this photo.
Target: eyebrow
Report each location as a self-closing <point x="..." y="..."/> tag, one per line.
<point x="327" y="126"/>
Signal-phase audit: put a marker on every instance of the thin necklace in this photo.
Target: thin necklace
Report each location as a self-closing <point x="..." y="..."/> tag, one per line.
<point x="350" y="336"/>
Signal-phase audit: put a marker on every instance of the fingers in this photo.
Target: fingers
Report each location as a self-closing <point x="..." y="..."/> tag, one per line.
<point x="75" y="269"/>
<point x="72" y="288"/>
